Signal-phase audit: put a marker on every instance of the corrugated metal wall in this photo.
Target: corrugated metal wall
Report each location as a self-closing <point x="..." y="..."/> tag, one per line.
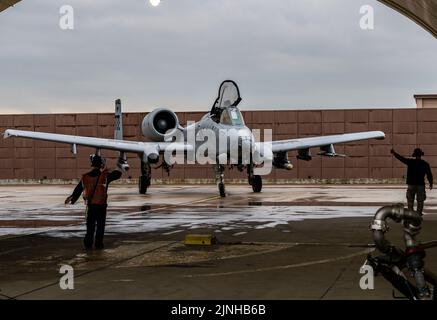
<point x="405" y="129"/>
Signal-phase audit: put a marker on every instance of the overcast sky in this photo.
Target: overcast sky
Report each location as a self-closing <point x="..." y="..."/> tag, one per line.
<point x="288" y="54"/>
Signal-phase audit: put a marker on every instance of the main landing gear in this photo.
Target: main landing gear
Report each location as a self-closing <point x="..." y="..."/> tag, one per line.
<point x="255" y="181"/>
<point x="220" y="179"/>
<point x="144" y="181"/>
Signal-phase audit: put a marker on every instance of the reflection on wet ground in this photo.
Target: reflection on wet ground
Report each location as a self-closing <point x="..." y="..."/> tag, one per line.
<point x="289" y="242"/>
<point x="172" y="209"/>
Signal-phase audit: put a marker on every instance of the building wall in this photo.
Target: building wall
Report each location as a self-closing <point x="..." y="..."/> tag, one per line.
<point x="405" y="129"/>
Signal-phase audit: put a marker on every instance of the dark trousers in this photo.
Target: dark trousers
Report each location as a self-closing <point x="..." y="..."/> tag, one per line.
<point x="95" y="223"/>
<point x="416" y="192"/>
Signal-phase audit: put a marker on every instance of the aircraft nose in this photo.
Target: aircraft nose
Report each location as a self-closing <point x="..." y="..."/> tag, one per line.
<point x="245" y="136"/>
<point x="245" y="142"/>
<point x="246" y="148"/>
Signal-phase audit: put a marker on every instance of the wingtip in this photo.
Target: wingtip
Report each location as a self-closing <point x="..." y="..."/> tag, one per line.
<point x="381" y="135"/>
<point x="6" y="134"/>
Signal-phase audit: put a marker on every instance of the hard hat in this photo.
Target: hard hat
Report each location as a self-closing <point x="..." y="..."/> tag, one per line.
<point x="418" y="153"/>
<point x="97" y="161"/>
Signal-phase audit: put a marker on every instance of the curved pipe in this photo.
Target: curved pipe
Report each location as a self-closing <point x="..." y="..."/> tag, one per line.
<point x="412" y="222"/>
<point x="381" y="242"/>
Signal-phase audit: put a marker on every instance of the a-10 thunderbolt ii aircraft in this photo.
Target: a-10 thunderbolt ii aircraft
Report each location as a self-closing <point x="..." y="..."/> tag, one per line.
<point x="225" y="130"/>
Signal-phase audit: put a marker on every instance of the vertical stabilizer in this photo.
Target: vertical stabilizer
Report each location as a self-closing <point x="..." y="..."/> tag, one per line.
<point x="118" y="135"/>
<point x="118" y="126"/>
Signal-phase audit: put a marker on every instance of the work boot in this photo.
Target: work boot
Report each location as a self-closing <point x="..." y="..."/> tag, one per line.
<point x="88" y="245"/>
<point x="100" y="246"/>
<point x="425" y="294"/>
<point x="420" y="206"/>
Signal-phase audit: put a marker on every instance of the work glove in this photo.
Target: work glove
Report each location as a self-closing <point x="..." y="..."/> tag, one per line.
<point x="68" y="200"/>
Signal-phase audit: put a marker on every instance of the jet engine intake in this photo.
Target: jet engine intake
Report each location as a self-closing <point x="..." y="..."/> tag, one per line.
<point x="159" y="124"/>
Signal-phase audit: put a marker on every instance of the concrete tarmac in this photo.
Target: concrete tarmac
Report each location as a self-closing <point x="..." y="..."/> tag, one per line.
<point x="288" y="242"/>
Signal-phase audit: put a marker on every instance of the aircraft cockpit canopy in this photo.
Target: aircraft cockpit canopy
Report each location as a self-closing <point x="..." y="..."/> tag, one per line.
<point x="231" y="116"/>
<point x="228" y="97"/>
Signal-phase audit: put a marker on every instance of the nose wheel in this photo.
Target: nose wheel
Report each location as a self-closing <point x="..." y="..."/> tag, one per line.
<point x="220" y="179"/>
<point x="222" y="190"/>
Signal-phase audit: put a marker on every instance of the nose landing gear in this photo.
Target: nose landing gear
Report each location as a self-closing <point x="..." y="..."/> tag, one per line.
<point x="220" y="179"/>
<point x="254" y="180"/>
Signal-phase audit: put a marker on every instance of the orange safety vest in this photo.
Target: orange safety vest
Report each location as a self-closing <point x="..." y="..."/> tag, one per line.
<point x="95" y="188"/>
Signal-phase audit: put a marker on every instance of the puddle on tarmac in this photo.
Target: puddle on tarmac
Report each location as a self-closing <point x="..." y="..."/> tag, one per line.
<point x="170" y="254"/>
<point x="67" y="224"/>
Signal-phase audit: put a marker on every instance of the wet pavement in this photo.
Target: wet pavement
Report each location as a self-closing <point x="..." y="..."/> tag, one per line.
<point x="289" y="242"/>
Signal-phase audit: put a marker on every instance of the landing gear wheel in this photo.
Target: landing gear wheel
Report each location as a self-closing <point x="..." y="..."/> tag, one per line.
<point x="257" y="184"/>
<point x="222" y="191"/>
<point x="220" y="179"/>
<point x="144" y="183"/>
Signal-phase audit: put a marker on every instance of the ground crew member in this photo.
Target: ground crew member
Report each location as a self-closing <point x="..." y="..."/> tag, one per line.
<point x="94" y="186"/>
<point x="417" y="169"/>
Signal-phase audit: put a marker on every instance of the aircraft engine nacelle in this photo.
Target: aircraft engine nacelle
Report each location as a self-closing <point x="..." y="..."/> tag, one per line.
<point x="159" y="123"/>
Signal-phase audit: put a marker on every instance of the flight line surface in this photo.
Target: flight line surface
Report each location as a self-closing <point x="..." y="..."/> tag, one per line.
<point x="288" y="242"/>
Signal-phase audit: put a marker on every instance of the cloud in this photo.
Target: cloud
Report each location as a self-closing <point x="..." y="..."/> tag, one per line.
<point x="283" y="54"/>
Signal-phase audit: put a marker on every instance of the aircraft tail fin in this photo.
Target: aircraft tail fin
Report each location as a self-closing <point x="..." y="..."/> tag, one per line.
<point x="118" y="135"/>
<point x="118" y="125"/>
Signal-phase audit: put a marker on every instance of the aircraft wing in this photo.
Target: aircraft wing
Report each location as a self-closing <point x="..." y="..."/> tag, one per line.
<point x="325" y="141"/>
<point x="4" y="4"/>
<point x="99" y="143"/>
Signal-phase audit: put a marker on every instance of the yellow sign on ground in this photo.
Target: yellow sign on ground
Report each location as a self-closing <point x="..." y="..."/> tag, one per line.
<point x="200" y="239"/>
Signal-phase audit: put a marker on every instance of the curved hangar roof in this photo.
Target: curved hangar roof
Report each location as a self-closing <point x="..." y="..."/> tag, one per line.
<point x="4" y="4"/>
<point x="423" y="12"/>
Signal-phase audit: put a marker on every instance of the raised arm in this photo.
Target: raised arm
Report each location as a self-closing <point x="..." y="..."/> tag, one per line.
<point x="399" y="157"/>
<point x="114" y="175"/>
